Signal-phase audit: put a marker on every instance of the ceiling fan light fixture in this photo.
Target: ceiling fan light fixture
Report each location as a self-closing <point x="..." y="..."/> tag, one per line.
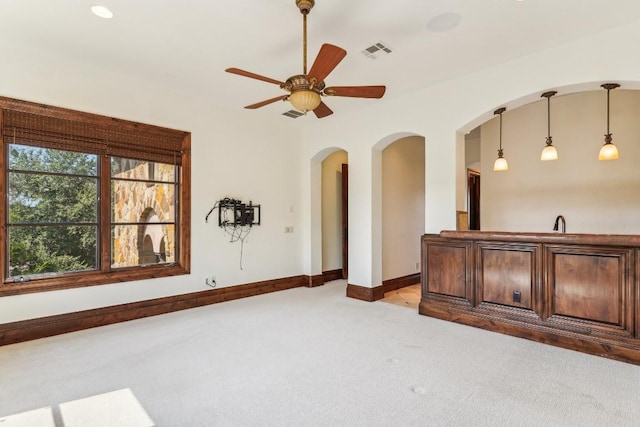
<point x="305" y="100"/>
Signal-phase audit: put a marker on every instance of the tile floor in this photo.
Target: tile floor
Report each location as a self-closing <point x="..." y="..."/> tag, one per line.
<point x="406" y="297"/>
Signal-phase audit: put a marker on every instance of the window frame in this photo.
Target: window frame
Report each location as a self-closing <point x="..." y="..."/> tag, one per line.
<point x="105" y="274"/>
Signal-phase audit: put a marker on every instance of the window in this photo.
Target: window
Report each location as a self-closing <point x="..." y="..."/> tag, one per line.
<point x="90" y="199"/>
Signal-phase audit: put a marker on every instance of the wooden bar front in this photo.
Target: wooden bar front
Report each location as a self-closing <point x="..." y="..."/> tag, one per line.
<point x="578" y="291"/>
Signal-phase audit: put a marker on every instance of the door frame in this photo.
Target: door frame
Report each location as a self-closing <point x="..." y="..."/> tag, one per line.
<point x="345" y="220"/>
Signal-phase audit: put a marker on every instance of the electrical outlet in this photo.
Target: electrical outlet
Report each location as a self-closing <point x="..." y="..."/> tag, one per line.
<point x="517" y="296"/>
<point x="417" y="266"/>
<point x="210" y="281"/>
<point x="288" y="229"/>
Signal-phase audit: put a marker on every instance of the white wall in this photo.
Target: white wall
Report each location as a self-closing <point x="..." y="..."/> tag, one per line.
<point x="332" y="210"/>
<point x="233" y="154"/>
<point x="472" y="152"/>
<point x="594" y="196"/>
<point x="402" y="206"/>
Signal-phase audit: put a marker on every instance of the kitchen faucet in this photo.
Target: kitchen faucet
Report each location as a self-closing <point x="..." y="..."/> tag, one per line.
<point x="564" y="224"/>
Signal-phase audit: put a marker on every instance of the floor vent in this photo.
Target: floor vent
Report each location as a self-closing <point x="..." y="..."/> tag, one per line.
<point x="374" y="51"/>
<point x="293" y="114"/>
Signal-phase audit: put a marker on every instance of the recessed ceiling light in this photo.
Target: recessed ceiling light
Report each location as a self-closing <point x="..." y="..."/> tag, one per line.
<point x="102" y="11"/>
<point x="444" y="22"/>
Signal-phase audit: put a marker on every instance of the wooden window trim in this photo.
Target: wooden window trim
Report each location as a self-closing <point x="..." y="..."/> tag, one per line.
<point x="117" y="134"/>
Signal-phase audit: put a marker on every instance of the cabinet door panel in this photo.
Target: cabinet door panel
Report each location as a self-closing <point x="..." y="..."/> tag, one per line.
<point x="448" y="269"/>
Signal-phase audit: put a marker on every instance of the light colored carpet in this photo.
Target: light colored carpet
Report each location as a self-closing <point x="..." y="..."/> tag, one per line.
<point x="312" y="357"/>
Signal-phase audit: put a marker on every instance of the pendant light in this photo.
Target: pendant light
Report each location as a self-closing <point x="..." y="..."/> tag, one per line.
<point x="549" y="152"/>
<point x="500" y="163"/>
<point x="608" y="150"/>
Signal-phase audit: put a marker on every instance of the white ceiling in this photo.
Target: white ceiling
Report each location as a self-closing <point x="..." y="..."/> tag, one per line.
<point x="188" y="43"/>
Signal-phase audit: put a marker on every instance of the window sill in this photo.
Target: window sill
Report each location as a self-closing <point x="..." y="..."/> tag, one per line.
<point x="85" y="279"/>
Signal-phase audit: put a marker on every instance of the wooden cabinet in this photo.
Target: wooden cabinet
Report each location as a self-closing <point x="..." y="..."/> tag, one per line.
<point x="576" y="291"/>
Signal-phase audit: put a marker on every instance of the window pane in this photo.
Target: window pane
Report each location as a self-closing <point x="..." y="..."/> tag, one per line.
<point x="142" y="244"/>
<point x="137" y="202"/>
<point x="142" y="170"/>
<point x="143" y="212"/>
<point x="41" y="198"/>
<point x="52" y="249"/>
<point x="27" y="158"/>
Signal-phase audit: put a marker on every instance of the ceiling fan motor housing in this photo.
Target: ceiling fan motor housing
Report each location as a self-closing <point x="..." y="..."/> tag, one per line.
<point x="300" y="82"/>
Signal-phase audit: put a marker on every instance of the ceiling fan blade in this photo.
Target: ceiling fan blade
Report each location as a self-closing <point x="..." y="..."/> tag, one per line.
<point x="322" y="110"/>
<point x="328" y="58"/>
<point x="253" y="76"/>
<point x="266" y="102"/>
<point x="356" y="91"/>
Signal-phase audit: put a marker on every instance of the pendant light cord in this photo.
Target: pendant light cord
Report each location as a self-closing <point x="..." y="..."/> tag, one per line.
<point x="549" y="117"/>
<point x="499" y="111"/>
<point x="608" y="87"/>
<point x="500" y="131"/>
<point x="548" y="95"/>
<point x="608" y="90"/>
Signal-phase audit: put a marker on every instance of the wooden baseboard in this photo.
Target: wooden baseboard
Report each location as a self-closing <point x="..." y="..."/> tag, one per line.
<point x="332" y="275"/>
<point x="26" y="330"/>
<point x="400" y="282"/>
<point x="313" y="281"/>
<point x="365" y="294"/>
<point x="377" y="293"/>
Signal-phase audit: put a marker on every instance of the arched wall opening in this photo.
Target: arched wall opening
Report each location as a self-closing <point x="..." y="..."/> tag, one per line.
<point x="403" y="207"/>
<point x="322" y="258"/>
<point x="334" y="172"/>
<point x="394" y="265"/>
<point x="151" y="238"/>
<point x="594" y="196"/>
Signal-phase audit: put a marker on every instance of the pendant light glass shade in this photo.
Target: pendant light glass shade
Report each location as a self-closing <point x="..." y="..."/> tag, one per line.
<point x="500" y="164"/>
<point x="608" y="151"/>
<point x="549" y="152"/>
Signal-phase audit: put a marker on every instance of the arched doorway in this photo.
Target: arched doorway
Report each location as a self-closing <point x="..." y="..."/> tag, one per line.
<point x="399" y="215"/>
<point x="335" y="216"/>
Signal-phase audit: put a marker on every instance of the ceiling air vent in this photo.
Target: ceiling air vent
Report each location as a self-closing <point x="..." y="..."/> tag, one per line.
<point x="293" y="114"/>
<point x="374" y="51"/>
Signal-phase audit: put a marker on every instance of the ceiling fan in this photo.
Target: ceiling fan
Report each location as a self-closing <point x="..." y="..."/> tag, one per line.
<point x="306" y="89"/>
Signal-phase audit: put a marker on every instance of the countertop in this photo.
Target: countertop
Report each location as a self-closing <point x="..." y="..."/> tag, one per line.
<point x="565" y="238"/>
